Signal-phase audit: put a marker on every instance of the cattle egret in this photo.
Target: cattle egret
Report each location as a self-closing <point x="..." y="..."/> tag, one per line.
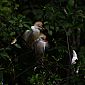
<point x="14" y="41"/>
<point x="74" y="57"/>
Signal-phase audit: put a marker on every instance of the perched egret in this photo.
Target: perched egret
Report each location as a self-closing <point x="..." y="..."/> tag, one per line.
<point x="74" y="57"/>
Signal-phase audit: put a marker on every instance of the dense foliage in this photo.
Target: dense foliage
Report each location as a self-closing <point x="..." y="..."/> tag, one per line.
<point x="65" y="21"/>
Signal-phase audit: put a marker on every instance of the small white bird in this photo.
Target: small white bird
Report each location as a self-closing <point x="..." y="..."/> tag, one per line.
<point x="74" y="57"/>
<point x="14" y="41"/>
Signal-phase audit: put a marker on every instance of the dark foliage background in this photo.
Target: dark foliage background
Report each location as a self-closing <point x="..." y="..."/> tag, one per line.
<point x="65" y="21"/>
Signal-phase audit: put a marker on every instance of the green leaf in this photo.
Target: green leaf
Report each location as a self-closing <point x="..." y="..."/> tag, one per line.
<point x="20" y="25"/>
<point x="70" y="6"/>
<point x="12" y="33"/>
<point x="27" y="26"/>
<point x="17" y="45"/>
<point x="70" y="3"/>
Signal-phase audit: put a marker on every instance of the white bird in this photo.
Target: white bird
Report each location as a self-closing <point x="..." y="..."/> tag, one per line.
<point x="74" y="57"/>
<point x="14" y="41"/>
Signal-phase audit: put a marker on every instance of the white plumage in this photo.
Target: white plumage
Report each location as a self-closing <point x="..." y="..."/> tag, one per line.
<point x="14" y="41"/>
<point x="26" y="34"/>
<point x="74" y="57"/>
<point x="43" y="43"/>
<point x="35" y="29"/>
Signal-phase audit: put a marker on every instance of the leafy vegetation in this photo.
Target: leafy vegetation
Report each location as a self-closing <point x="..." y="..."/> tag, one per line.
<point x="65" y="21"/>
